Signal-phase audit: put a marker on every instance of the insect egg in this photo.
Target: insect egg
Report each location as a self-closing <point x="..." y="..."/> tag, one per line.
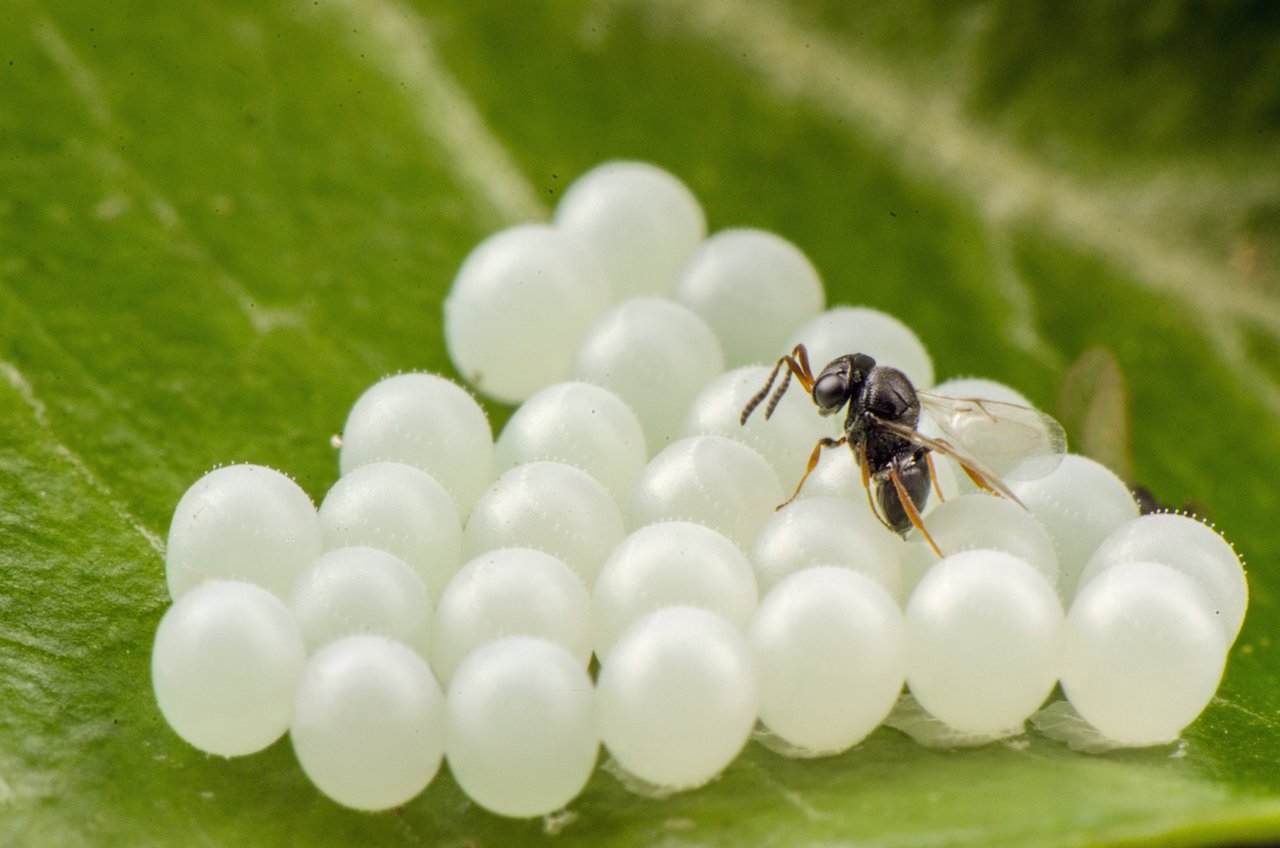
<point x="878" y="334"/>
<point x="368" y="722"/>
<point x="639" y="220"/>
<point x="753" y="288"/>
<point x="671" y="563"/>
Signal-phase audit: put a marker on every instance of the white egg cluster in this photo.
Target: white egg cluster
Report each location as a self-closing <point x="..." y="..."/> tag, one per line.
<point x="445" y="600"/>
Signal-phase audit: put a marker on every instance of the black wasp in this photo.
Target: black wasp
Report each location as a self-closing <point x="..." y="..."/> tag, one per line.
<point x="986" y="438"/>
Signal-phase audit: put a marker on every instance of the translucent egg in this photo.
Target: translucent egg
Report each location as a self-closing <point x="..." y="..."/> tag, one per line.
<point x="640" y="221"/>
<point x="677" y="697"/>
<point x="425" y="421"/>
<point x="1144" y="652"/>
<point x="1079" y="504"/>
<point x="509" y="592"/>
<point x="826" y="531"/>
<point x="399" y="509"/>
<point x="519" y="304"/>
<point x="368" y="722"/>
<point x="984" y="641"/>
<point x="241" y="522"/>
<point x="654" y="354"/>
<point x="753" y="288"/>
<point x="828" y="644"/>
<point x="361" y="590"/>
<point x="671" y="563"/>
<point x="857" y="329"/>
<point x="708" y="480"/>
<point x="522" y="737"/>
<point x="582" y="425"/>
<point x="548" y="506"/>
<point x="226" y="659"/>
<point x="785" y="440"/>
<point x="975" y="521"/>
<point x="1186" y="545"/>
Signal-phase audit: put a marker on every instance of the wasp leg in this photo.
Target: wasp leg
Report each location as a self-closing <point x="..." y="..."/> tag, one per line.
<point x="813" y="463"/>
<point x="866" y="485"/>
<point x="910" y="507"/>
<point x="933" y="475"/>
<point x="980" y="481"/>
<point x="797" y="363"/>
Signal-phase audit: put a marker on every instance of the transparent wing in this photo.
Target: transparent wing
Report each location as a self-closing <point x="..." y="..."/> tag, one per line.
<point x="1004" y="440"/>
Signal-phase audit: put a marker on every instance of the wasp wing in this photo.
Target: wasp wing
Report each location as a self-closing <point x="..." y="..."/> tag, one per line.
<point x="1008" y="440"/>
<point x="980" y="473"/>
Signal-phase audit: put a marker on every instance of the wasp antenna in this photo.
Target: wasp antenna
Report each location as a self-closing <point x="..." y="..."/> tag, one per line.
<point x="777" y="395"/>
<point x="760" y="395"/>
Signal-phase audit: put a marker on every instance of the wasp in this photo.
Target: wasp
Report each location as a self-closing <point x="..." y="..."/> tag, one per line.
<point x="986" y="438"/>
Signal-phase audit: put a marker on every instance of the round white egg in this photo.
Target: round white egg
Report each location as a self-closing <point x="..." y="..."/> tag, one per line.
<point x="359" y="589"/>
<point x="509" y="592"/>
<point x="976" y="521"/>
<point x="224" y="665"/>
<point x="368" y="722"/>
<point x="241" y="522"/>
<point x="1080" y="503"/>
<point x="829" y="647"/>
<point x="517" y="308"/>
<point x="708" y="480"/>
<point x="843" y="330"/>
<point x="399" y="509"/>
<point x="641" y="221"/>
<point x="522" y="737"/>
<point x="825" y="530"/>
<point x="1144" y="652"/>
<point x="753" y="288"/>
<point x="786" y="439"/>
<point x="1186" y="545"/>
<point x="548" y="506"/>
<point x="426" y="421"/>
<point x="677" y="697"/>
<point x="984" y="641"/>
<point x="654" y="354"/>
<point x="671" y="563"/>
<point x="579" y="424"/>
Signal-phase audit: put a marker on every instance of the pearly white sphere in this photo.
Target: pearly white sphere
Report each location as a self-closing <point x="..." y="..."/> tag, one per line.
<point x="548" y="506"/>
<point x="1143" y="653"/>
<point x="399" y="509"/>
<point x="1186" y="545"/>
<point x="360" y="589"/>
<point x="654" y="354"/>
<point x="520" y="302"/>
<point x="984" y="641"/>
<point x="641" y="222"/>
<point x="976" y="521"/>
<point x="368" y="722"/>
<point x="671" y="563"/>
<point x="708" y="480"/>
<point x="426" y="421"/>
<point x="829" y="647"/>
<point x="579" y="424"/>
<point x="225" y="661"/>
<point x="510" y="592"/>
<point x="785" y="440"/>
<point x="241" y="522"/>
<point x="678" y="697"/>
<point x="522" y="737"/>
<point x="858" y="329"/>
<point x="753" y="288"/>
<point x="825" y="530"/>
<point x="1080" y="503"/>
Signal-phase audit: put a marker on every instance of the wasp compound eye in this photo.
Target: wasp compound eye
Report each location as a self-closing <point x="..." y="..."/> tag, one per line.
<point x="831" y="391"/>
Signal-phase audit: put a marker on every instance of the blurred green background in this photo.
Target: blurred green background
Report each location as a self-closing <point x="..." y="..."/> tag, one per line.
<point x="220" y="221"/>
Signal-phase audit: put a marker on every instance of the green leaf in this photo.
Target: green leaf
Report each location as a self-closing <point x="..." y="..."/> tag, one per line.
<point x="220" y="221"/>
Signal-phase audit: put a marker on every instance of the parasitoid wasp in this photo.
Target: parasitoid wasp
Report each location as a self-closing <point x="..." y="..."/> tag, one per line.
<point x="986" y="438"/>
